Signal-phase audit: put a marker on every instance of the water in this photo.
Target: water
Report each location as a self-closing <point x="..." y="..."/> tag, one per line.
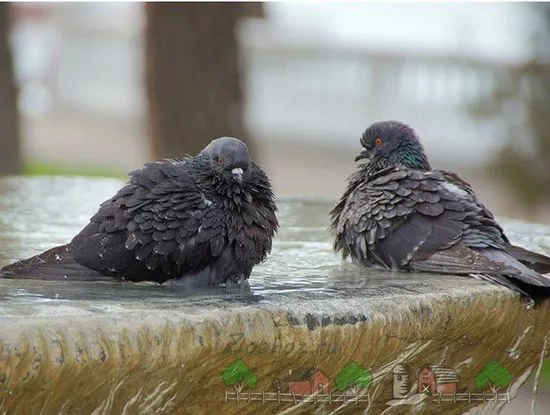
<point x="41" y="212"/>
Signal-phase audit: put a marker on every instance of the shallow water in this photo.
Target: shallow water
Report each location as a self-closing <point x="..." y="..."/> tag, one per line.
<point x="39" y="213"/>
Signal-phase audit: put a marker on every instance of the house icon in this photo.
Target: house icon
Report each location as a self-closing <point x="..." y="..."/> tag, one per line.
<point x="437" y="379"/>
<point x="307" y="381"/>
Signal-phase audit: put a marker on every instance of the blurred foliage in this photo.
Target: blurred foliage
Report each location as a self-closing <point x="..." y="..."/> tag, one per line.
<point x="523" y="163"/>
<point x="522" y="97"/>
<point x="41" y="169"/>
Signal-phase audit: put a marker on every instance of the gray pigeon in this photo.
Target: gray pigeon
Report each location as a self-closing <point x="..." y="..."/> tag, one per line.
<point x="399" y="214"/>
<point x="205" y="220"/>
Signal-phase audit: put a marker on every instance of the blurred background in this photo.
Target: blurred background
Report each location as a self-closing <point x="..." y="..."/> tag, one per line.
<point x="98" y="89"/>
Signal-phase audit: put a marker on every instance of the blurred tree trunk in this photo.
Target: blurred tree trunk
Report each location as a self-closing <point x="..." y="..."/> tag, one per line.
<point x="10" y="158"/>
<point x="193" y="74"/>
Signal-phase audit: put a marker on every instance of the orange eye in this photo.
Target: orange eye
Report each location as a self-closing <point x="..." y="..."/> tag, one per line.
<point x="378" y="141"/>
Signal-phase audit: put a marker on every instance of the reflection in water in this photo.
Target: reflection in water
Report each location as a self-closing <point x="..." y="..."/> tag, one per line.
<point x="39" y="213"/>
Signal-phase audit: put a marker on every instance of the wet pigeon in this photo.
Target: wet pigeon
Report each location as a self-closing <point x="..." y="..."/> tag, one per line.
<point x="201" y="220"/>
<point x="399" y="214"/>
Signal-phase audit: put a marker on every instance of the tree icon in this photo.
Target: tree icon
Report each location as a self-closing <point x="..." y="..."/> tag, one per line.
<point x="494" y="376"/>
<point x="352" y="378"/>
<point x="238" y="374"/>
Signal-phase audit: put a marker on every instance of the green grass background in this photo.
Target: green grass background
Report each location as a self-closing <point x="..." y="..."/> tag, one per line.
<point x="41" y="169"/>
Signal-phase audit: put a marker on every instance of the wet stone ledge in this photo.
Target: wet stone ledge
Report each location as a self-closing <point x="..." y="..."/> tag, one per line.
<point x="113" y="347"/>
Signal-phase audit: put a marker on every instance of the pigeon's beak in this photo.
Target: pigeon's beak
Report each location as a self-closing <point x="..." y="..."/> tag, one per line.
<point x="237" y="173"/>
<point x="364" y="154"/>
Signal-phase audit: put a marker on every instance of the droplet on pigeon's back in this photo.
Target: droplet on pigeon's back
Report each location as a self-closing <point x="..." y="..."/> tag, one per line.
<point x="57" y="257"/>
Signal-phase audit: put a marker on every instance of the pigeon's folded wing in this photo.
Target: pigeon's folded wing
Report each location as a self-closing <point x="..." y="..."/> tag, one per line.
<point x="538" y="262"/>
<point x="403" y="217"/>
<point x="534" y="260"/>
<point x="459" y="259"/>
<point x="159" y="223"/>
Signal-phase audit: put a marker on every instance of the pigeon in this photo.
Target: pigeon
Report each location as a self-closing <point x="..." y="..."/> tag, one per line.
<point x="398" y="214"/>
<point x="204" y="221"/>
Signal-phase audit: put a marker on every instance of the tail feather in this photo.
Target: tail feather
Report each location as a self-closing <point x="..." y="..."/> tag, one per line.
<point x="533" y="260"/>
<point x="525" y="274"/>
<point x="505" y="281"/>
<point x="492" y="265"/>
<point x="54" y="264"/>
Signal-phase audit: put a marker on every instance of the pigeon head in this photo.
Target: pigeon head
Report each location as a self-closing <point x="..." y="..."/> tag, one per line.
<point x="229" y="156"/>
<point x="387" y="143"/>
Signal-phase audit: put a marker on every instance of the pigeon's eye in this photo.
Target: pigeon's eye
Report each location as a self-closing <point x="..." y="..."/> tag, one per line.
<point x="378" y="141"/>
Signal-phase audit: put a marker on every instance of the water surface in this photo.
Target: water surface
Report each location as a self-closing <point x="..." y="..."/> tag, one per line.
<point x="41" y="212"/>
